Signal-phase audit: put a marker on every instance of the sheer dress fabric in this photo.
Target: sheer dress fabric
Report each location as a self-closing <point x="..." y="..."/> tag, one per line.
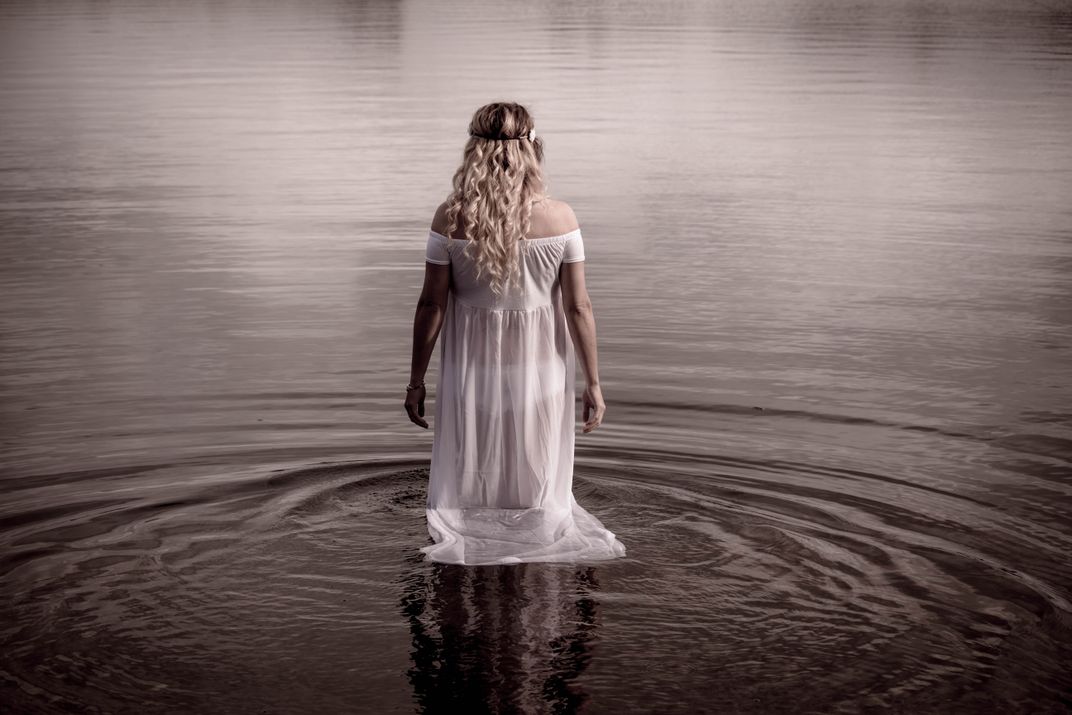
<point x="500" y="487"/>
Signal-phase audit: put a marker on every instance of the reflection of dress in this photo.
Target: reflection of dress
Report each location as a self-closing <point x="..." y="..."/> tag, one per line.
<point x="501" y="640"/>
<point x="500" y="488"/>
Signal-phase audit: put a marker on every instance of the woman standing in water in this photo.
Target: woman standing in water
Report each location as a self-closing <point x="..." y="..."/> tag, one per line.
<point x="504" y="280"/>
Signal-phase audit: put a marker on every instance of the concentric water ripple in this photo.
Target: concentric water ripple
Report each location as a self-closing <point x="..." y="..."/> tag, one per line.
<point x="754" y="577"/>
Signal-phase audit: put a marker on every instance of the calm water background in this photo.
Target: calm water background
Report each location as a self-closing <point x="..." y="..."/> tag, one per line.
<point x="830" y="251"/>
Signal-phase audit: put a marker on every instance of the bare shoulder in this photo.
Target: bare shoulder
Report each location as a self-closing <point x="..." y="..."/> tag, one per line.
<point x="553" y="217"/>
<point x="566" y="217"/>
<point x="439" y="221"/>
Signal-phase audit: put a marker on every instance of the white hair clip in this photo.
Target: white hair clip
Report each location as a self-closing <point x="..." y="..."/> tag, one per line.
<point x="532" y="134"/>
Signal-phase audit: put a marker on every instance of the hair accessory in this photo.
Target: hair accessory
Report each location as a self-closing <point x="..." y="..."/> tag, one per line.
<point x="530" y="136"/>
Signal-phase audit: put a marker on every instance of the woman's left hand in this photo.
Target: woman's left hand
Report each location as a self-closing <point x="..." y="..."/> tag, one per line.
<point x="415" y="406"/>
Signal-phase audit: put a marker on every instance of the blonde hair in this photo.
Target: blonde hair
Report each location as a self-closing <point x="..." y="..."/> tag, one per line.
<point x="499" y="178"/>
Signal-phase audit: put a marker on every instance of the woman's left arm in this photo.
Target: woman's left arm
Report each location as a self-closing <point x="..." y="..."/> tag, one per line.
<point x="427" y="322"/>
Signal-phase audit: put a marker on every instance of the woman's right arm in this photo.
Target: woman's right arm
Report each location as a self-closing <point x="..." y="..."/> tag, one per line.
<point x="582" y="328"/>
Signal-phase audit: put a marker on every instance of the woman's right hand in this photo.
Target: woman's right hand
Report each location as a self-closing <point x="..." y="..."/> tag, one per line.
<point x="592" y="402"/>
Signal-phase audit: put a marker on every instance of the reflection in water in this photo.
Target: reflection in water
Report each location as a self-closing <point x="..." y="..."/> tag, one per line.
<point x="500" y="638"/>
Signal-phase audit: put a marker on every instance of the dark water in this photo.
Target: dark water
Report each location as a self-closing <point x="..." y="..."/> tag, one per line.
<point x="830" y="251"/>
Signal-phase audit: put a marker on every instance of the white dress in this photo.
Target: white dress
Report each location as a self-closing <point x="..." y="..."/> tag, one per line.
<point x="500" y="489"/>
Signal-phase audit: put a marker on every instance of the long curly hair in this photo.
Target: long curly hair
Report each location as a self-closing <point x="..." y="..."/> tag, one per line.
<point x="494" y="188"/>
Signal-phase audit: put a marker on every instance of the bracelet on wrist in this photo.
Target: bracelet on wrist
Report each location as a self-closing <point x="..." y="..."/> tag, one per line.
<point x="411" y="386"/>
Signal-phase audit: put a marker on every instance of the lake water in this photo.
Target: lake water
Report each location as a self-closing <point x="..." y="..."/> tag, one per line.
<point x="829" y="247"/>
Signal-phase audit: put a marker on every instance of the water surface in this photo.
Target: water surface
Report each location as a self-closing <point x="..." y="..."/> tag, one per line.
<point x="830" y="252"/>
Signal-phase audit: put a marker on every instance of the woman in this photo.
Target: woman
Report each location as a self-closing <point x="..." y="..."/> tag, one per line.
<point x="504" y="279"/>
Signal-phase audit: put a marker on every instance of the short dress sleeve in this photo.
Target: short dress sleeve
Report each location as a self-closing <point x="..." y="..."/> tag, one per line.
<point x="436" y="250"/>
<point x="574" y="248"/>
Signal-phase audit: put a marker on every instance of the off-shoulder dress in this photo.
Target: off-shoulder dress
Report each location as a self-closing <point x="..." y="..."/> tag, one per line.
<point x="500" y="488"/>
